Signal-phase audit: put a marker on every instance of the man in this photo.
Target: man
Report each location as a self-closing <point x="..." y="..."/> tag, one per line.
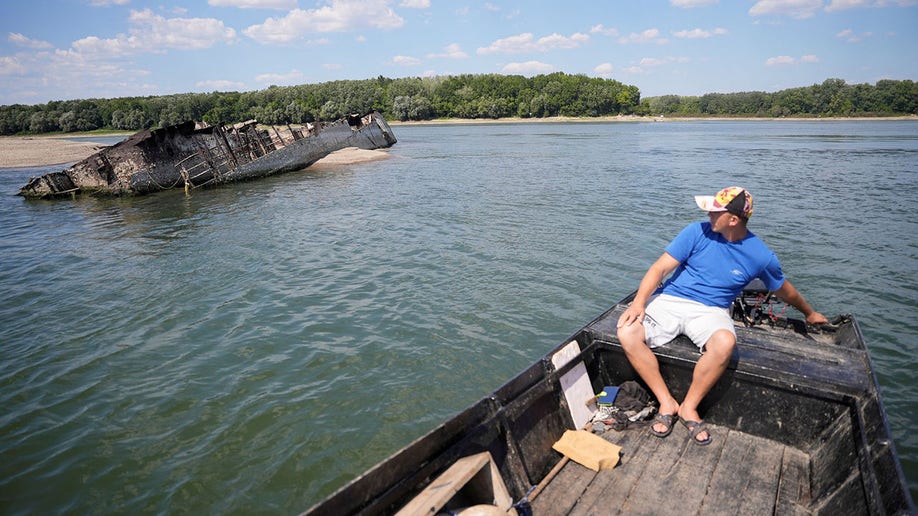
<point x="712" y="261"/>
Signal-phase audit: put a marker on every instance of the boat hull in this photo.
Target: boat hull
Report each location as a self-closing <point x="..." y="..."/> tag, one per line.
<point x="188" y="156"/>
<point x="811" y="395"/>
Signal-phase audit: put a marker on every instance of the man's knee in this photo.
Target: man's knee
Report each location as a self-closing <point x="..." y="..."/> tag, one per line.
<point x="631" y="335"/>
<point x="722" y="343"/>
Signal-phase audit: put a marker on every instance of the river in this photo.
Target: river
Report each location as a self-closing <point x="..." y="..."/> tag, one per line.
<point x="253" y="347"/>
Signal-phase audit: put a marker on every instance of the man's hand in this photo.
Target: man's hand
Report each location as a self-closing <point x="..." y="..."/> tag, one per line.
<point x="633" y="313"/>
<point x="816" y="319"/>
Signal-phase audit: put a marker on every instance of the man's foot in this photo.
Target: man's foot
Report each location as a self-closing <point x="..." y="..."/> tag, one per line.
<point x="663" y="424"/>
<point x="697" y="432"/>
<point x="696" y="427"/>
<point x="665" y="419"/>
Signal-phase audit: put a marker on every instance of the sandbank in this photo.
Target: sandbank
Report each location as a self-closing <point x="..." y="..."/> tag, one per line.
<point x="39" y="151"/>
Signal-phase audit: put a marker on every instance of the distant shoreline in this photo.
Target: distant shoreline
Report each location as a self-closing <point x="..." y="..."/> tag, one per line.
<point x="60" y="148"/>
<point x="637" y="119"/>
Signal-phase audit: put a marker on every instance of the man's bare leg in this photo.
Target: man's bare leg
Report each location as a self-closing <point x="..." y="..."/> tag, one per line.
<point x="708" y="370"/>
<point x="648" y="368"/>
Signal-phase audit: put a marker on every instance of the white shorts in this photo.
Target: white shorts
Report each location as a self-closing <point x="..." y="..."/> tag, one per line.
<point x="667" y="316"/>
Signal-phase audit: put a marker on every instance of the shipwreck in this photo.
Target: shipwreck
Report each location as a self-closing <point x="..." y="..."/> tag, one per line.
<point x="191" y="155"/>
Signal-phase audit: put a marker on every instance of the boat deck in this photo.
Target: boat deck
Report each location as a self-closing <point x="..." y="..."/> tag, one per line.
<point x="737" y="473"/>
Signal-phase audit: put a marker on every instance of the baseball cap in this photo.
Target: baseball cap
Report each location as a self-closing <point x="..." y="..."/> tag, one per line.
<point x="734" y="199"/>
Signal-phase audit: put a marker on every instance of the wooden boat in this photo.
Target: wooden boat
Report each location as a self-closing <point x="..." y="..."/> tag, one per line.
<point x="192" y="155"/>
<point x="797" y="422"/>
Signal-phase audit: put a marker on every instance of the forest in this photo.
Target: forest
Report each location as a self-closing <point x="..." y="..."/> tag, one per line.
<point x="480" y="96"/>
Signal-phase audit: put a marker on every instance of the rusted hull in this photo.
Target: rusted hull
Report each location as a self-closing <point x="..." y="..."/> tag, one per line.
<point x="186" y="156"/>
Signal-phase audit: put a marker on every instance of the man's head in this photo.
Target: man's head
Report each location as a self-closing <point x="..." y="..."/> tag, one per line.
<point x="733" y="199"/>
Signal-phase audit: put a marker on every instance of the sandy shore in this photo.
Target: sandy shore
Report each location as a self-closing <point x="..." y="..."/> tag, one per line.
<point x="38" y="151"/>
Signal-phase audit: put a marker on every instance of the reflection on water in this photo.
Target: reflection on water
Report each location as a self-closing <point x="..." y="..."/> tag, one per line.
<point x="257" y="345"/>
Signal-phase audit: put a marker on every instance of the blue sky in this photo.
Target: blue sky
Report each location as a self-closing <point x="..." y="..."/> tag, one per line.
<point x="69" y="49"/>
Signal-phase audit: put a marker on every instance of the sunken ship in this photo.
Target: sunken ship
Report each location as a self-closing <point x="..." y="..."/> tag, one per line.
<point x="191" y="155"/>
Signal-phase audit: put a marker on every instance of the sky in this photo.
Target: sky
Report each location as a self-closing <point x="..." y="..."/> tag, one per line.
<point x="77" y="49"/>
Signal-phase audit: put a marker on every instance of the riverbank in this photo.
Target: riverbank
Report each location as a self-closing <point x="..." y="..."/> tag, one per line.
<point x="40" y="151"/>
<point x="633" y="118"/>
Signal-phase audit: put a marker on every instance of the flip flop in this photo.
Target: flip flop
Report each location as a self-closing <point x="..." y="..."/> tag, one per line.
<point x="664" y="419"/>
<point x="695" y="428"/>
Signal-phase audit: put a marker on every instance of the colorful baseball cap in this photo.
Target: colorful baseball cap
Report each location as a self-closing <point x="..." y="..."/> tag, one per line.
<point x="734" y="199"/>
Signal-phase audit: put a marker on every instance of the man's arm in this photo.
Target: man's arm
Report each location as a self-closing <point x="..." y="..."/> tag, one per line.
<point x="660" y="269"/>
<point x="789" y="295"/>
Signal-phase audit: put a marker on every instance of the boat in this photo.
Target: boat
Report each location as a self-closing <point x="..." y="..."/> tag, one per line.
<point x="193" y="154"/>
<point x="797" y="422"/>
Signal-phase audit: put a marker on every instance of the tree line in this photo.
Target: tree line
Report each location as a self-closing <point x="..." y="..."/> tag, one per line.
<point x="832" y="98"/>
<point x="485" y="96"/>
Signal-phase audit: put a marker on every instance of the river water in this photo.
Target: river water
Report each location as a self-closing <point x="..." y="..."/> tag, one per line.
<point x="253" y="347"/>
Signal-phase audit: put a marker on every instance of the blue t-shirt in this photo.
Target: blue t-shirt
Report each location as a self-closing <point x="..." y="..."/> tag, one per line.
<point x="713" y="270"/>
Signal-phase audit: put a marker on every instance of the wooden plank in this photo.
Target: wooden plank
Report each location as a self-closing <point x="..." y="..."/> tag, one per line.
<point x="476" y="474"/>
<point x="794" y="486"/>
<point x="676" y="476"/>
<point x="745" y="480"/>
<point x="560" y="496"/>
<point x="611" y="488"/>
<point x="737" y="474"/>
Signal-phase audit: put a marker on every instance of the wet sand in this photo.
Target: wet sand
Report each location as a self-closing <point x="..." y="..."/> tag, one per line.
<point x="38" y="151"/>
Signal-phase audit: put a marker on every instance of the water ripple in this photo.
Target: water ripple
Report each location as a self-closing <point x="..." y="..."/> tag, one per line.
<point x="253" y="347"/>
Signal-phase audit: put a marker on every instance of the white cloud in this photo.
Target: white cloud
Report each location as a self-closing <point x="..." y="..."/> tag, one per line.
<point x="840" y="5"/>
<point x="605" y="31"/>
<point x="415" y="4"/>
<point x="527" y="68"/>
<point x="11" y="66"/>
<point x="153" y="33"/>
<point x="799" y="9"/>
<point x="453" y="51"/>
<point x="700" y="33"/>
<point x="780" y="60"/>
<point x="106" y="3"/>
<point x="850" y="36"/>
<point x="22" y="41"/>
<point x="337" y="16"/>
<point x="648" y="63"/>
<point x="647" y="36"/>
<point x="406" y="61"/>
<point x="788" y="60"/>
<point x="526" y="42"/>
<point x="687" y="4"/>
<point x="219" y="85"/>
<point x="292" y="77"/>
<point x="604" y="70"/>
<point x="254" y="4"/>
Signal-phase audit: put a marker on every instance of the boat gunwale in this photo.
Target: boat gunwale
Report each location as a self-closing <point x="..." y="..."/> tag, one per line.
<point x="381" y="488"/>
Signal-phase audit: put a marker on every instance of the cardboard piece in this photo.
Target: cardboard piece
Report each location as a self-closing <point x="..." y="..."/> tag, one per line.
<point x="576" y="385"/>
<point x="588" y="449"/>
